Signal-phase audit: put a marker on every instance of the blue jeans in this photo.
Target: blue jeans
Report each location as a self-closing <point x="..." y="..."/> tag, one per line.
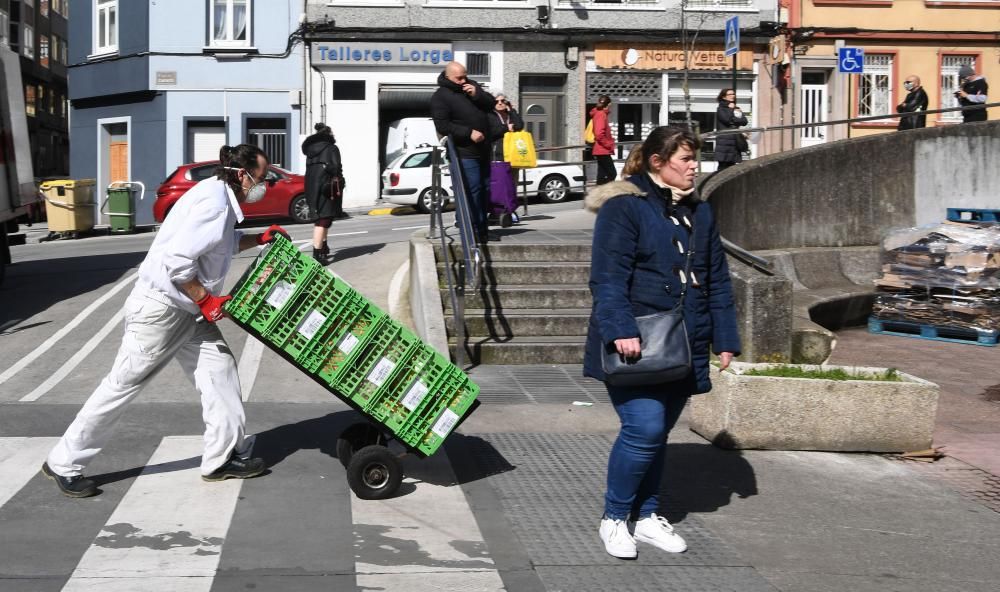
<point x="635" y="466"/>
<point x="477" y="180"/>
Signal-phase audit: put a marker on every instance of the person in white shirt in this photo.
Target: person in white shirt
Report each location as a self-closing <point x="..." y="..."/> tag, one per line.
<point x="180" y="279"/>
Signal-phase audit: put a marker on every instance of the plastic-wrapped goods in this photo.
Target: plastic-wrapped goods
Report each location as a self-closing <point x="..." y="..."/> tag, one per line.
<point x="946" y="255"/>
<point x="943" y="274"/>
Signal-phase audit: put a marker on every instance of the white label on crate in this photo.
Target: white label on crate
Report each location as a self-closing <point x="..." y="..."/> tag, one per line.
<point x="444" y="423"/>
<point x="415" y="395"/>
<point x="311" y="325"/>
<point x="280" y="294"/>
<point x="348" y="343"/>
<point x="381" y="371"/>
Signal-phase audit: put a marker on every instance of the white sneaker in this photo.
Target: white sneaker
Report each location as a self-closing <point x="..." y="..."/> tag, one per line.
<point x="656" y="531"/>
<point x="617" y="541"/>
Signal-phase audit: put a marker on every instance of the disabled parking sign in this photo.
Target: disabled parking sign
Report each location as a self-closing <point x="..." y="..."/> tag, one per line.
<point x="851" y="60"/>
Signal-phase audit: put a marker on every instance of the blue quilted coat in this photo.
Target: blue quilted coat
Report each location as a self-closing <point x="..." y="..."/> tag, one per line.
<point x="636" y="270"/>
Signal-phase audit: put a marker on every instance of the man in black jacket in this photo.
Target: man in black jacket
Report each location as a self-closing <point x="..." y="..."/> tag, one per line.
<point x="973" y="92"/>
<point x="915" y="102"/>
<point x="460" y="108"/>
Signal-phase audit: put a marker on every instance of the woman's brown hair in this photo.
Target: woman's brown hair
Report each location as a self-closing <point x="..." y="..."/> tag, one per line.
<point x="664" y="142"/>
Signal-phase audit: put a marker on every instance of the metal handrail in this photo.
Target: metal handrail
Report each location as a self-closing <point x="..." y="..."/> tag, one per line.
<point x="733" y="131"/>
<point x="469" y="273"/>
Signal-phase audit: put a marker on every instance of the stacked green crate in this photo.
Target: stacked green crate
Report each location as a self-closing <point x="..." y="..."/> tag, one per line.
<point x="336" y="335"/>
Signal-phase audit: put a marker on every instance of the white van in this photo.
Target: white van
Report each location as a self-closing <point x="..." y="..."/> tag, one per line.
<point x="407" y="134"/>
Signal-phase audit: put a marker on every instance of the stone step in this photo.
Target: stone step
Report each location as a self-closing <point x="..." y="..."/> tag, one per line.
<point x="534" y="252"/>
<point x="514" y="296"/>
<point x="522" y="322"/>
<point x="526" y="350"/>
<point x="557" y="272"/>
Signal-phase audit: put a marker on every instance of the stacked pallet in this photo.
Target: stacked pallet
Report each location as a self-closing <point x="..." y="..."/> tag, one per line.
<point x="317" y="321"/>
<point x="946" y="275"/>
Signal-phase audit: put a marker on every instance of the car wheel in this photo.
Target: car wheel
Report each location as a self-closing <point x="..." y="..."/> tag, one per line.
<point x="424" y="201"/>
<point x="554" y="188"/>
<point x="299" y="209"/>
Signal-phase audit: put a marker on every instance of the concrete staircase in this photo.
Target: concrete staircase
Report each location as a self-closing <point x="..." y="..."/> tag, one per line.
<point x="533" y="305"/>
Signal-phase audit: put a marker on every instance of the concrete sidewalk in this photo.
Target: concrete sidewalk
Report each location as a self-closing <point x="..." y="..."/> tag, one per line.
<point x="755" y="520"/>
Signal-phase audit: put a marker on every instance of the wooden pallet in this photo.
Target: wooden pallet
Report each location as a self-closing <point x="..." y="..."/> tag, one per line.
<point x="935" y="332"/>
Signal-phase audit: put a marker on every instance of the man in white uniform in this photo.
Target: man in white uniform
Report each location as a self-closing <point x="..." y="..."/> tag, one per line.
<point x="180" y="279"/>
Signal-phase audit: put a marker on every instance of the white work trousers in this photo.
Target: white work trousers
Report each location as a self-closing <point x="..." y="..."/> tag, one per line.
<point x="155" y="333"/>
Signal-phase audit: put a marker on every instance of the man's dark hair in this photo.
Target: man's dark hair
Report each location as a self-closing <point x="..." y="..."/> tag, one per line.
<point x="243" y="156"/>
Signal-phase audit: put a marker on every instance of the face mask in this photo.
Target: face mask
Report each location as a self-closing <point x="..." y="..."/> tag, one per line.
<point x="256" y="191"/>
<point x="908" y="85"/>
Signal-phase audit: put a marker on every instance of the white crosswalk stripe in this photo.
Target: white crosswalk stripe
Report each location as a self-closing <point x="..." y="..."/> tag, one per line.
<point x="167" y="533"/>
<point x="437" y="523"/>
<point x="20" y="461"/>
<point x="169" y="530"/>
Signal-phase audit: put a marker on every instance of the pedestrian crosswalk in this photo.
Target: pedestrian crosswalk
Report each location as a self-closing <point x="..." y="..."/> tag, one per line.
<point x="169" y="530"/>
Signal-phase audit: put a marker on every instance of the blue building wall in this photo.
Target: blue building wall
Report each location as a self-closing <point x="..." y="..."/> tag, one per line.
<point x="146" y="130"/>
<point x="178" y="79"/>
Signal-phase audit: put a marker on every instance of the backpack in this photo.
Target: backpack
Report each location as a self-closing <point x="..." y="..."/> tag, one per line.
<point x="588" y="134"/>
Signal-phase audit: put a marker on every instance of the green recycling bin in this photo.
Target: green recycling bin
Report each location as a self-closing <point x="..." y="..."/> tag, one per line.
<point x="120" y="205"/>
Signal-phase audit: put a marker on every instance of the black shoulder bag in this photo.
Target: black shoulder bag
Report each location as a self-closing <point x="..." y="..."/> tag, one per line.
<point x="666" y="352"/>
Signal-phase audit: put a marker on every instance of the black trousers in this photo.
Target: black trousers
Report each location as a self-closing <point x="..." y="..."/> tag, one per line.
<point x="606" y="171"/>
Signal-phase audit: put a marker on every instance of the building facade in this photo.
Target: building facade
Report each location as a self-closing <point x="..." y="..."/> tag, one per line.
<point x="154" y="85"/>
<point x="931" y="39"/>
<point x="37" y="30"/>
<point x="372" y="62"/>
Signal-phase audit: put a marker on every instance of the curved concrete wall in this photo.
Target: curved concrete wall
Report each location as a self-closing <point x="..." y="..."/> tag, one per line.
<point x="849" y="193"/>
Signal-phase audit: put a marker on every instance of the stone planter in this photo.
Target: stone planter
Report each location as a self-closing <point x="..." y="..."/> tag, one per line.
<point x="776" y="413"/>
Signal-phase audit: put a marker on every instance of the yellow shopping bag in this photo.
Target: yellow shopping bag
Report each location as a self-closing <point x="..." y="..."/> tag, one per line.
<point x="519" y="150"/>
<point x="588" y="134"/>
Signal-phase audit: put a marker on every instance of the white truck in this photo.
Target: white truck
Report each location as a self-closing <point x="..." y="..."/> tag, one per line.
<point x="17" y="181"/>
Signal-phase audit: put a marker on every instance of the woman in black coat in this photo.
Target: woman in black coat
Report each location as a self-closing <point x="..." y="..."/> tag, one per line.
<point x="503" y="119"/>
<point x="728" y="116"/>
<point x="324" y="186"/>
<point x="645" y="228"/>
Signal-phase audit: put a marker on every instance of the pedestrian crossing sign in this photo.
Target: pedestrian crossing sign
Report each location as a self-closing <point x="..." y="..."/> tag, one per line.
<point x="732" y="36"/>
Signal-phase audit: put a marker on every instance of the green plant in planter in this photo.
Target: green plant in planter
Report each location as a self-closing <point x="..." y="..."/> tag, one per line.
<point x="890" y="375"/>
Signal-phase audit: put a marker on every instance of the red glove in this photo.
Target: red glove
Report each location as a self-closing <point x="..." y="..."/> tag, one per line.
<point x="271" y="233"/>
<point x="211" y="307"/>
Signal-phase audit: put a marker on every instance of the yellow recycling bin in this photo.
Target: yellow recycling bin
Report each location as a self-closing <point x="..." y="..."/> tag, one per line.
<point x="69" y="204"/>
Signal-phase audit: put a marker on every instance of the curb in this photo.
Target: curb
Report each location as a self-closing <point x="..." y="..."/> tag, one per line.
<point x="380" y="211"/>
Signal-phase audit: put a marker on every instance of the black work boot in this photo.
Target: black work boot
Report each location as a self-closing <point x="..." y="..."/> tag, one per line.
<point x="322" y="254"/>
<point x="237" y="468"/>
<point x="78" y="486"/>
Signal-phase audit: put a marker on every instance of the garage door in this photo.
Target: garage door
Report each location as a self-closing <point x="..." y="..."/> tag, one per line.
<point x="405" y="96"/>
<point x="204" y="142"/>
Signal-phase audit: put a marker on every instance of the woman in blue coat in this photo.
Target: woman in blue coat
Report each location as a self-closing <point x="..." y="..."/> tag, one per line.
<point x="638" y="269"/>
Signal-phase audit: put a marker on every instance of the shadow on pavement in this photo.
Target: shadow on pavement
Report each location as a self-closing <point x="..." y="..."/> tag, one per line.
<point x="473" y="458"/>
<point x="701" y="478"/>
<point x="32" y="287"/>
<point x="359" y="251"/>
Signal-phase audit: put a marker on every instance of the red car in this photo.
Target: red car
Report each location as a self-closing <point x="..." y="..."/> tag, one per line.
<point x="285" y="197"/>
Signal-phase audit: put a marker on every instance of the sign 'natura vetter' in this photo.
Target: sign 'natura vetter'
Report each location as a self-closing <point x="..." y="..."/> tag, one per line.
<point x="382" y="54"/>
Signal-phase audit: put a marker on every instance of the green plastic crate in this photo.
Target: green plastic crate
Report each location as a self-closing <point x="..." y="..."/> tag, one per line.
<point x="260" y="295"/>
<point x="376" y="362"/>
<point x="348" y="344"/>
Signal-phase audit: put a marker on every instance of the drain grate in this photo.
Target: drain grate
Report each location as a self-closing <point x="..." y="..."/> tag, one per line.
<point x="968" y="481"/>
<point x="537" y="384"/>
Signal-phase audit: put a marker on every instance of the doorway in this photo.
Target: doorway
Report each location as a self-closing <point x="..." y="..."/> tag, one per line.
<point x="815" y="106"/>
<point x="629" y="127"/>
<point x="113" y="159"/>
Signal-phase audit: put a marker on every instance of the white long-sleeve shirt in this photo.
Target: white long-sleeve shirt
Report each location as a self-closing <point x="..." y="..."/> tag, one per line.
<point x="197" y="240"/>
